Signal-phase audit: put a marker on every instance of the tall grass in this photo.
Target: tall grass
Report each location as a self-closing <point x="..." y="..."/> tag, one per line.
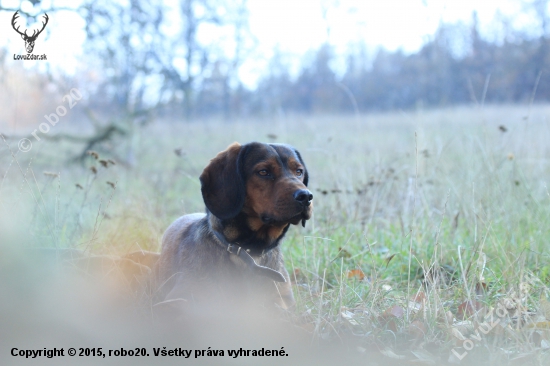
<point x="416" y="213"/>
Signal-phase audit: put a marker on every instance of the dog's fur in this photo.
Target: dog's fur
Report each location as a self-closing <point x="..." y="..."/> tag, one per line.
<point x="250" y="192"/>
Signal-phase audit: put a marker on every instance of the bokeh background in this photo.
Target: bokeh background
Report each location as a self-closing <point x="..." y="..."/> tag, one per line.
<point x="195" y="59"/>
<point x="424" y="125"/>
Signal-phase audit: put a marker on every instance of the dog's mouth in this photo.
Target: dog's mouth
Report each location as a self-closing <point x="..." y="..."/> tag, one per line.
<point x="294" y="220"/>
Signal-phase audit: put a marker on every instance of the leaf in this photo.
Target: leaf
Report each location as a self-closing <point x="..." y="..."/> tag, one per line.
<point x="356" y="273"/>
<point x="388" y="259"/>
<point x="298" y="277"/>
<point x="395" y="311"/>
<point x="418" y="329"/>
<point x="481" y="288"/>
<point x="455" y="221"/>
<point x="349" y="316"/>
<point x="419" y="297"/>
<point x="343" y="253"/>
<point x="389" y="317"/>
<point x="414" y="307"/>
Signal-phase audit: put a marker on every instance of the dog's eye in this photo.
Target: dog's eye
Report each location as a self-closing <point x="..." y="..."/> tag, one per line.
<point x="299" y="172"/>
<point x="263" y="173"/>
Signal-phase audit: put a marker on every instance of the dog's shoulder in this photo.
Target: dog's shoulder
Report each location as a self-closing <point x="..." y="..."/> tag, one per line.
<point x="182" y="228"/>
<point x="180" y="237"/>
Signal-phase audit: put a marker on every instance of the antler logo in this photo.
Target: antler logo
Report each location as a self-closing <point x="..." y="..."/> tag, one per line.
<point x="29" y="40"/>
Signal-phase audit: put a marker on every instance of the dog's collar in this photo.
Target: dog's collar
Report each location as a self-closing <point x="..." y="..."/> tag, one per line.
<point x="243" y="255"/>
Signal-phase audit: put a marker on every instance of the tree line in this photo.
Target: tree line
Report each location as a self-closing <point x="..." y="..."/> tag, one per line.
<point x="153" y="60"/>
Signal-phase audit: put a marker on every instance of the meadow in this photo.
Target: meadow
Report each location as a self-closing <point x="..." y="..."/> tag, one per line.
<point x="425" y="222"/>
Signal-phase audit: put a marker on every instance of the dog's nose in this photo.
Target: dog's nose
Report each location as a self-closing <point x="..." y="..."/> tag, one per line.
<point x="303" y="196"/>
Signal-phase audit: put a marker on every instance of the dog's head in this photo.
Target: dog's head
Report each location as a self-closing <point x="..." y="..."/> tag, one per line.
<point x="268" y="182"/>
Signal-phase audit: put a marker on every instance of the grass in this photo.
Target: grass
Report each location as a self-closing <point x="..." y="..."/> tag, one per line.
<point x="417" y="215"/>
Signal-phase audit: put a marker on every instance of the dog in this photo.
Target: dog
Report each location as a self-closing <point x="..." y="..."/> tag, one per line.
<point x="253" y="193"/>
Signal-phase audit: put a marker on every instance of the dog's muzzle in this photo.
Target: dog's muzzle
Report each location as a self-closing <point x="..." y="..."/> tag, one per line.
<point x="303" y="197"/>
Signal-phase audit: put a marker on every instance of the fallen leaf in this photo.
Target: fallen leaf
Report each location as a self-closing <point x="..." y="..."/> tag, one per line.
<point x="349" y="316"/>
<point x="414" y="307"/>
<point x="418" y="329"/>
<point x="481" y="288"/>
<point x="389" y="316"/>
<point x="298" y="277"/>
<point x="396" y="311"/>
<point x="356" y="273"/>
<point x="419" y="297"/>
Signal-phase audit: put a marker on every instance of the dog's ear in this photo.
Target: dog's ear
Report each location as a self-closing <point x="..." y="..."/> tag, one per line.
<point x="222" y="183"/>
<point x="306" y="175"/>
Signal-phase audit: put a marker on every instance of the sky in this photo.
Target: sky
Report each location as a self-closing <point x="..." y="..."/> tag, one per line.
<point x="299" y="24"/>
<point x="294" y="26"/>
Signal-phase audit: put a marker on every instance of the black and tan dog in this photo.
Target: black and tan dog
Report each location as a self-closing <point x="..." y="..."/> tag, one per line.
<point x="252" y="192"/>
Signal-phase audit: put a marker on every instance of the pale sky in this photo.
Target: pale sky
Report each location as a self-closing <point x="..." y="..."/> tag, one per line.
<point x="297" y="25"/>
<point x="294" y="26"/>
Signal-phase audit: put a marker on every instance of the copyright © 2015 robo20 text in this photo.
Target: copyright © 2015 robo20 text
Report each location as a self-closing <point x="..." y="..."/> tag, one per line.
<point x="143" y="352"/>
<point x="72" y="99"/>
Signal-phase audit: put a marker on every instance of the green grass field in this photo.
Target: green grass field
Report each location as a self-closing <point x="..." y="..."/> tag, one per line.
<point x="420" y="217"/>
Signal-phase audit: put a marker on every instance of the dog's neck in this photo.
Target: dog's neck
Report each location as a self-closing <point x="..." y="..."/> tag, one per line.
<point x="249" y="233"/>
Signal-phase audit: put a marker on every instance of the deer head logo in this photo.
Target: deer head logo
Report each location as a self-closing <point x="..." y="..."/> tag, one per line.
<point x="29" y="40"/>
